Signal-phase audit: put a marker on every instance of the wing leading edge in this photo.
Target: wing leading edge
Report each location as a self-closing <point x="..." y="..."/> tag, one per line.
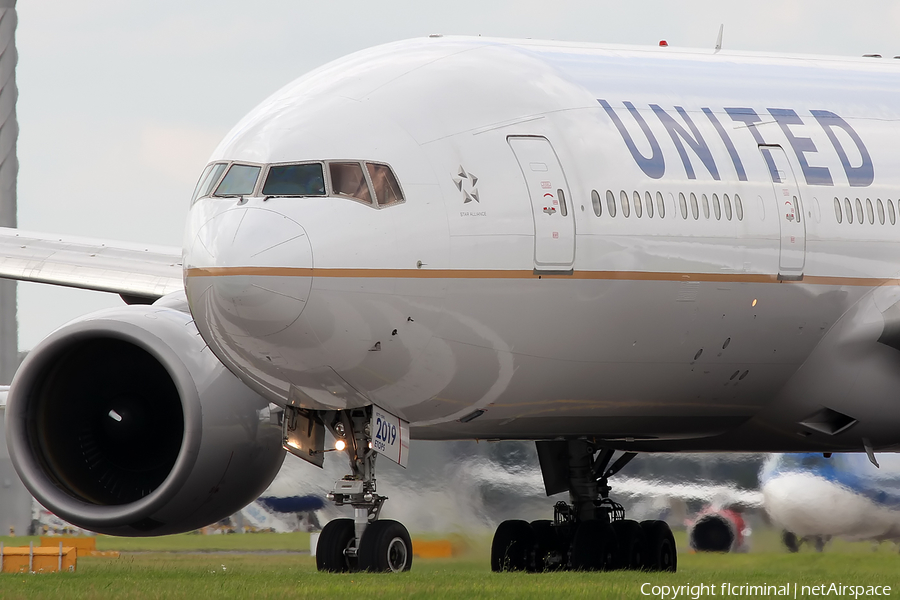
<point x="138" y="273"/>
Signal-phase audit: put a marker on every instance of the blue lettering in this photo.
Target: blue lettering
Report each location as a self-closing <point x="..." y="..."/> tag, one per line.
<point x="697" y="143"/>
<point x="748" y="117"/>
<point x="801" y="145"/>
<point x="653" y="167"/>
<point x="729" y="145"/>
<point x="860" y="176"/>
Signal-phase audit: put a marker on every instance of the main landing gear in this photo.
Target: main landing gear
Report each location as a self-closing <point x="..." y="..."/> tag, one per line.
<point x="591" y="533"/>
<point x="363" y="543"/>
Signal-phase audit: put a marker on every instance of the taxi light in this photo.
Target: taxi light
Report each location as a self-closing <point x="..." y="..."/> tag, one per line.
<point x="340" y="445"/>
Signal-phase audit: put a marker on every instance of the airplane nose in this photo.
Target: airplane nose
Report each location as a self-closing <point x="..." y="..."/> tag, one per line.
<point x="250" y="272"/>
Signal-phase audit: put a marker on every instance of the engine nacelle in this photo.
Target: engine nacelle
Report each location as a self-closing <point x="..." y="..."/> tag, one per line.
<point x="717" y="531"/>
<point x="124" y="422"/>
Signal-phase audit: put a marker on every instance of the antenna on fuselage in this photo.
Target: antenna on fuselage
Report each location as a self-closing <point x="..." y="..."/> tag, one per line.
<point x="719" y="39"/>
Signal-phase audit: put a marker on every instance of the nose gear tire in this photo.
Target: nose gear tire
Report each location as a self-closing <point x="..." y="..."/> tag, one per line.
<point x="336" y="537"/>
<point x="385" y="548"/>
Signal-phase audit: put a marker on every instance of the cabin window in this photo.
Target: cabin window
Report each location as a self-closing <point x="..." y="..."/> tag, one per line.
<point x="870" y="212"/>
<point x="660" y="205"/>
<point x="704" y="203"/>
<point x="859" y="211"/>
<point x="240" y="180"/>
<point x="738" y="208"/>
<point x="837" y="210"/>
<point x="595" y="202"/>
<point x="626" y="206"/>
<point x="648" y="203"/>
<point x="387" y="190"/>
<point x="638" y="208"/>
<point x="880" y="206"/>
<point x="295" y="180"/>
<point x="347" y="180"/>
<point x="848" y="208"/>
<point x="717" y="208"/>
<point x="208" y="180"/>
<point x="682" y="203"/>
<point x="695" y="211"/>
<point x="727" y="202"/>
<point x="891" y="215"/>
<point x="563" y="209"/>
<point x="611" y="203"/>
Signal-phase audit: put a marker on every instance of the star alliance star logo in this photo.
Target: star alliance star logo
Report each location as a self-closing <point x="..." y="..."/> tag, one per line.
<point x="465" y="183"/>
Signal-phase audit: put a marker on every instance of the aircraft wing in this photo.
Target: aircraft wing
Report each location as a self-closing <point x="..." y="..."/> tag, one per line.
<point x="138" y="273"/>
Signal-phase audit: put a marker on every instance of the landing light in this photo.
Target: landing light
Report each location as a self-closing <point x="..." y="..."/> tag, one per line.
<point x="340" y="445"/>
<point x="753" y="303"/>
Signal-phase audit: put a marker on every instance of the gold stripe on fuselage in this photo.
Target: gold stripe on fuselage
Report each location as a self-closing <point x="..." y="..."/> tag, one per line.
<point x="524" y="274"/>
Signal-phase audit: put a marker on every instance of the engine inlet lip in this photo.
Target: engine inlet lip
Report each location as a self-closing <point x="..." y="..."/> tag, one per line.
<point x="22" y="450"/>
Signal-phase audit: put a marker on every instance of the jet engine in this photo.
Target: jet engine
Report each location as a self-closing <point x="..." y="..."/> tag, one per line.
<point x="124" y="422"/>
<point x="717" y="531"/>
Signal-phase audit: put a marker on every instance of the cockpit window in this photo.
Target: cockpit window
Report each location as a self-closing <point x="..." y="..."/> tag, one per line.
<point x="208" y="179"/>
<point x="239" y="181"/>
<point x="347" y="179"/>
<point x="295" y="180"/>
<point x="370" y="183"/>
<point x="387" y="190"/>
<point x="201" y="181"/>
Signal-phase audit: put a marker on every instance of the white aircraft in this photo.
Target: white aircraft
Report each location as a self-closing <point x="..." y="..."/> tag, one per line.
<point x="815" y="499"/>
<point x="593" y="247"/>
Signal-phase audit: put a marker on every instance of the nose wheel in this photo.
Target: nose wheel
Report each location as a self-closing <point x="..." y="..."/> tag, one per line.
<point x="333" y="552"/>
<point x="385" y="548"/>
<point x="365" y="542"/>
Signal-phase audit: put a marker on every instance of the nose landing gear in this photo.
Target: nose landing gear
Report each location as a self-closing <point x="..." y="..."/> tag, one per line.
<point x="363" y="543"/>
<point x="590" y="533"/>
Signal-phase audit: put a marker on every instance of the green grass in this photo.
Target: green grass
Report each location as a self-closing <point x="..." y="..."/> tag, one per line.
<point x="158" y="574"/>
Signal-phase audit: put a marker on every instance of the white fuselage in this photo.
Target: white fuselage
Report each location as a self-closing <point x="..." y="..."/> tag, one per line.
<point x="844" y="496"/>
<point x="667" y="326"/>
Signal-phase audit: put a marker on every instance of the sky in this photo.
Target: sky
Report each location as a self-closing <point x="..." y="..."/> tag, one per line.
<point x="121" y="103"/>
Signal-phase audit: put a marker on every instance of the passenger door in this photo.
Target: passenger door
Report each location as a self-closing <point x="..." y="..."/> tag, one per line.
<point x="789" y="210"/>
<point x="554" y="217"/>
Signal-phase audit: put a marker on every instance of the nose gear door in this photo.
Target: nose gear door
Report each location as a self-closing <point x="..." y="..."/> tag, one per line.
<point x="554" y="217"/>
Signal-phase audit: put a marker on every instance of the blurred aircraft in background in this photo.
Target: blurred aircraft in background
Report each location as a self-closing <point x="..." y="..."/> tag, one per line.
<point x="814" y="497"/>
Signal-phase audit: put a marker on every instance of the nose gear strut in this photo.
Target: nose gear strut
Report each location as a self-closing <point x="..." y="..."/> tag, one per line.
<point x="363" y="543"/>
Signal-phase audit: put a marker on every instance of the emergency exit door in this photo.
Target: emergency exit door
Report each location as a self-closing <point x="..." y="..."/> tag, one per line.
<point x="789" y="211"/>
<point x="551" y="204"/>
